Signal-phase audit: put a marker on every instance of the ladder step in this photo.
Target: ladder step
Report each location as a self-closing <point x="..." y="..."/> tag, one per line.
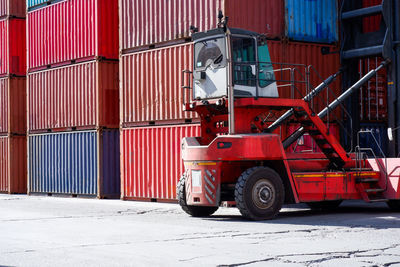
<point x="374" y="190"/>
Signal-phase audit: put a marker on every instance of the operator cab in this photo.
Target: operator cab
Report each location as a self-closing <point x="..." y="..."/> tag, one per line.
<point x="252" y="70"/>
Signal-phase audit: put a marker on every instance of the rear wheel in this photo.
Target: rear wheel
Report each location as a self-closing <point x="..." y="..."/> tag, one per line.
<point x="394" y="204"/>
<point x="195" y="211"/>
<point x="324" y="205"/>
<point x="259" y="193"/>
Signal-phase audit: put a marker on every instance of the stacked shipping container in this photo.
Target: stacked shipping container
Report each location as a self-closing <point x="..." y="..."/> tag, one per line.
<point x="154" y="50"/>
<point x="73" y="98"/>
<point x="12" y="96"/>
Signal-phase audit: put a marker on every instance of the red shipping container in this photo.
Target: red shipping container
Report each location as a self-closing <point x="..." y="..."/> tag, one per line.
<point x="12" y="47"/>
<point x="151" y="80"/>
<point x="13" y="105"/>
<point x="156" y="21"/>
<point x="151" y="84"/>
<point x="373" y="95"/>
<point x="151" y="161"/>
<point x="13" y="8"/>
<point x="371" y="23"/>
<point x="13" y="164"/>
<point x="82" y="96"/>
<point x="323" y="67"/>
<point x="72" y="30"/>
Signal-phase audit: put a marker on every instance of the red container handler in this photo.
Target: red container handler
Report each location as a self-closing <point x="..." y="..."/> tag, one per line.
<point x="13" y="167"/>
<point x="12" y="47"/>
<point x="145" y="23"/>
<point x="12" y="105"/>
<point x="72" y="30"/>
<point x="12" y="8"/>
<point x="151" y="161"/>
<point x="79" y="96"/>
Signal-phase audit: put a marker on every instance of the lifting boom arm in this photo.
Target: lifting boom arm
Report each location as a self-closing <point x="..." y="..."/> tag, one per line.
<point x="300" y="131"/>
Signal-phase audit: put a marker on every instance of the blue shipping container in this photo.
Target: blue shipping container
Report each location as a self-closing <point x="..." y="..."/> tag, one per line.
<point x="82" y="163"/>
<point x="312" y="20"/>
<point x="376" y="140"/>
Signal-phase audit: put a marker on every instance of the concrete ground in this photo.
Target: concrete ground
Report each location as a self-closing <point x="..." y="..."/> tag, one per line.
<point x="51" y="231"/>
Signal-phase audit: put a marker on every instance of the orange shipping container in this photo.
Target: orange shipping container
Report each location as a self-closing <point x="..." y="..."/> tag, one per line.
<point x="13" y="105"/>
<point x="13" y="164"/>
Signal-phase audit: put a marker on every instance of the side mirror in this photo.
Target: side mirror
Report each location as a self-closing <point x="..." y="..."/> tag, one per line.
<point x="390" y="134"/>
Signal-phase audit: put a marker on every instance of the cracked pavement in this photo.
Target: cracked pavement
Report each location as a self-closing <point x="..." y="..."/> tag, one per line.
<point x="48" y="231"/>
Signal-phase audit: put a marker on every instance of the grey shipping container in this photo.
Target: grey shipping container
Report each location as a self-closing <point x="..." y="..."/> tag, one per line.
<point x="81" y="163"/>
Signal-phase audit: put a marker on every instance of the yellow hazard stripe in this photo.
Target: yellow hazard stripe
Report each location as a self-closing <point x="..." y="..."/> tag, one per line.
<point x="201" y="163"/>
<point x="318" y="175"/>
<point x="366" y="174"/>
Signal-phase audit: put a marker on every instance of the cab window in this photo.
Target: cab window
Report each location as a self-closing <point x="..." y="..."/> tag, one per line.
<point x="244" y="58"/>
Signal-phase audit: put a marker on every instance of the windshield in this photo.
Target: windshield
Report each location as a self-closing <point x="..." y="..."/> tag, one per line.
<point x="210" y="53"/>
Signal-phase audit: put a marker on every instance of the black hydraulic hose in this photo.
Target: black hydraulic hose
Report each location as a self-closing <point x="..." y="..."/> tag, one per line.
<point x="300" y="131"/>
<point x="307" y="98"/>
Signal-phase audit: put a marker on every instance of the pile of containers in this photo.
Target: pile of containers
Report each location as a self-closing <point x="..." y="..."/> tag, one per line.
<point x="12" y="96"/>
<point x="73" y="136"/>
<point x="155" y="47"/>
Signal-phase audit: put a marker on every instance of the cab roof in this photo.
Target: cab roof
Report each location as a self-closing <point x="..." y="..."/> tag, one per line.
<point x="220" y="31"/>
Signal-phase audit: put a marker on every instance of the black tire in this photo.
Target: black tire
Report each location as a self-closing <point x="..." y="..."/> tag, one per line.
<point x="394" y="204"/>
<point x="195" y="211"/>
<point x="324" y="205"/>
<point x="259" y="193"/>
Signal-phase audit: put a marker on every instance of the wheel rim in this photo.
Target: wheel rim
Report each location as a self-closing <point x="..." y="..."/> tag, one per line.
<point x="263" y="194"/>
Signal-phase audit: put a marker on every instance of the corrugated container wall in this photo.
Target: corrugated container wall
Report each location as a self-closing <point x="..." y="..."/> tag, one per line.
<point x="77" y="96"/>
<point x="312" y="21"/>
<point x="13" y="164"/>
<point x="156" y="21"/>
<point x="151" y="161"/>
<point x="371" y="23"/>
<point x="12" y="8"/>
<point x="72" y="30"/>
<point x="13" y="105"/>
<point x="82" y="163"/>
<point x="12" y="47"/>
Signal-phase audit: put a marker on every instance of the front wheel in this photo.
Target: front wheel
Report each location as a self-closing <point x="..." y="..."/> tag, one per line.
<point x="195" y="211"/>
<point x="259" y="193"/>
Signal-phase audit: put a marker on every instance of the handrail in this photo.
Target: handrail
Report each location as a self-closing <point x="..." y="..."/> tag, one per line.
<point x="343" y="108"/>
<point x="359" y="149"/>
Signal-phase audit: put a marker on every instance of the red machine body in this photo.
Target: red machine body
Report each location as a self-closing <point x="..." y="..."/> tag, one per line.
<point x="240" y="155"/>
